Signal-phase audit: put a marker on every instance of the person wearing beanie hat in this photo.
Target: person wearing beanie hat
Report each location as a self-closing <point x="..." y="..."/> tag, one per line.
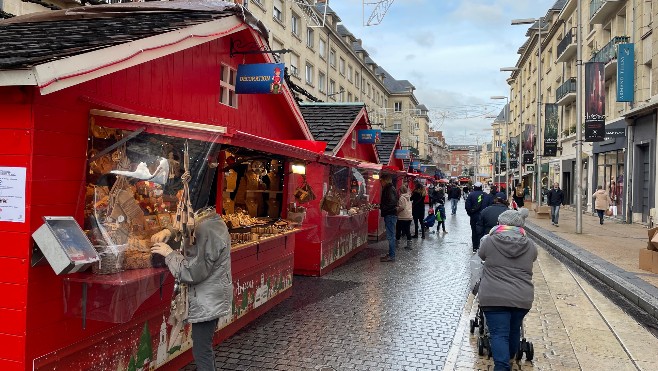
<point x="489" y="216"/>
<point x="506" y="290"/>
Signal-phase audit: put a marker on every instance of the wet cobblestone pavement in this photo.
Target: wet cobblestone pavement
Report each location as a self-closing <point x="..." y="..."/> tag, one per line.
<point x="365" y="315"/>
<point x="414" y="314"/>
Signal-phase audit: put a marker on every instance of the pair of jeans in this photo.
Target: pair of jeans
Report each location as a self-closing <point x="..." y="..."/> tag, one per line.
<point x="475" y="235"/>
<point x="389" y="222"/>
<point x="505" y="334"/>
<point x="403" y="227"/>
<point x="441" y="224"/>
<point x="453" y="203"/>
<point x="202" y="334"/>
<point x="600" y="213"/>
<point x="555" y="213"/>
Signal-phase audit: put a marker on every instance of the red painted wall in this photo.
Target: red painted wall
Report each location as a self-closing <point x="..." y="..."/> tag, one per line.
<point x="48" y="135"/>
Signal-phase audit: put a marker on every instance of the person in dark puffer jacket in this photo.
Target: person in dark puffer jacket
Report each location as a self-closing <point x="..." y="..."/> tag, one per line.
<point x="506" y="290"/>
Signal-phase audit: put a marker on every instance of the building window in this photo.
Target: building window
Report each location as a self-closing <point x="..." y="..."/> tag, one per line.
<point x="341" y="66"/>
<point x="277" y="10"/>
<point x="310" y="36"/>
<point x="398" y="107"/>
<point x="349" y="73"/>
<point x="294" y="23"/>
<point x="322" y="46"/>
<point x="245" y="4"/>
<point x="340" y="93"/>
<point x="369" y="90"/>
<point x="397" y="125"/>
<point x="357" y="80"/>
<point x="294" y="64"/>
<point x="332" y="89"/>
<point x="309" y="74"/>
<point x="332" y="58"/>
<point x="322" y="78"/>
<point x="349" y="97"/>
<point x="227" y="94"/>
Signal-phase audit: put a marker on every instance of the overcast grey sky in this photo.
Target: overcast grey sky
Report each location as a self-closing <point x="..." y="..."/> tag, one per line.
<point x="450" y="50"/>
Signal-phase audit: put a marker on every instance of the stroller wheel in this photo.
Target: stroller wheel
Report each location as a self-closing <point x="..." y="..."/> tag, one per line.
<point x="472" y="327"/>
<point x="530" y="353"/>
<point x="480" y="347"/>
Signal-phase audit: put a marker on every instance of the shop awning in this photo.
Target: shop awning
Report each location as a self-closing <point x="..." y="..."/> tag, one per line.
<point x="242" y="139"/>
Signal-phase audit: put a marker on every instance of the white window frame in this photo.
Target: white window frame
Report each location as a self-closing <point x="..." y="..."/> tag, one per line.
<point x="310" y="37"/>
<point x="357" y="80"/>
<point x="322" y="46"/>
<point x="332" y="58"/>
<point x="294" y="67"/>
<point x="295" y="22"/>
<point x="397" y="106"/>
<point x="308" y="77"/>
<point x="397" y="125"/>
<point x="227" y="76"/>
<point x="278" y="14"/>
<point x="341" y="66"/>
<point x="350" y="72"/>
<point x="322" y="81"/>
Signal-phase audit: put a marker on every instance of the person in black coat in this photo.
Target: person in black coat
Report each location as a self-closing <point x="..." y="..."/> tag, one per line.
<point x="418" y="208"/>
<point x="476" y="201"/>
<point x="555" y="200"/>
<point x="489" y="216"/>
<point x="454" y="194"/>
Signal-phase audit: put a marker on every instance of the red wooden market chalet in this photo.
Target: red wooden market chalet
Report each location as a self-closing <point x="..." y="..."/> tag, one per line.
<point x="332" y="236"/>
<point x="76" y="82"/>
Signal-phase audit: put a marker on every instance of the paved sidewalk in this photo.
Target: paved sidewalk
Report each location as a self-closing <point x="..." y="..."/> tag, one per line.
<point x="609" y="252"/>
<point x="571" y="325"/>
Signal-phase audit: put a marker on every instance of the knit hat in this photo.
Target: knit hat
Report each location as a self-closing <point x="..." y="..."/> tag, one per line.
<point x="430" y="211"/>
<point x="512" y="217"/>
<point x="502" y="196"/>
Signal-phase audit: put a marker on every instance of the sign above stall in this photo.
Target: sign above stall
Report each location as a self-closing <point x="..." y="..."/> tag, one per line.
<point x="370" y="136"/>
<point x="259" y="78"/>
<point x="402" y="154"/>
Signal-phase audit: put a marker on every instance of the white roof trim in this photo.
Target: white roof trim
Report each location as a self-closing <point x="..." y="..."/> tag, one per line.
<point x="159" y="121"/>
<point x="17" y="78"/>
<point x="77" y="69"/>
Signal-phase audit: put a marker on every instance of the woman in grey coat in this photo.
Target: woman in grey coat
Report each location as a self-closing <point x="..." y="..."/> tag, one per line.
<point x="506" y="291"/>
<point x="206" y="268"/>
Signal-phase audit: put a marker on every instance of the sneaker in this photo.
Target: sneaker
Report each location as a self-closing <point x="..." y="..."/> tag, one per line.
<point x="444" y="231"/>
<point x="387" y="258"/>
<point x="414" y="236"/>
<point x="557" y="225"/>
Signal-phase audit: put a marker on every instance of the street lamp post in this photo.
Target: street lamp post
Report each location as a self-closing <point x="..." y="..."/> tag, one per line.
<point x="539" y="22"/>
<point x="579" y="117"/>
<point x="519" y="162"/>
<point x="507" y="169"/>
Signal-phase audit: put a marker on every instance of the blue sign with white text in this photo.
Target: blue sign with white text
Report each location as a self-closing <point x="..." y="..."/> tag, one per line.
<point x="259" y="78"/>
<point x="415" y="164"/>
<point x="403" y="154"/>
<point x="370" y="136"/>
<point x="625" y="72"/>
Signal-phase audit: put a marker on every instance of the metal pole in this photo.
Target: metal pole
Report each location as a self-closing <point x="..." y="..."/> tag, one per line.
<point x="519" y="163"/>
<point x="538" y="130"/>
<point x="507" y="169"/>
<point x="579" y="118"/>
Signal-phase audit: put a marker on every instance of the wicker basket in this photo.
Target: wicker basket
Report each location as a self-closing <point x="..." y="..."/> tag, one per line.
<point x="111" y="259"/>
<point x="296" y="217"/>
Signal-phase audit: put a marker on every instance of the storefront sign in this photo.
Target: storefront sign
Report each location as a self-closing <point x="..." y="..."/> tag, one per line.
<point x="402" y="154"/>
<point x="625" y="72"/>
<point x="12" y="194"/>
<point x="615" y="133"/>
<point x="415" y="164"/>
<point x="594" y="102"/>
<point x="259" y="78"/>
<point x="550" y="130"/>
<point x="529" y="144"/>
<point x="370" y="136"/>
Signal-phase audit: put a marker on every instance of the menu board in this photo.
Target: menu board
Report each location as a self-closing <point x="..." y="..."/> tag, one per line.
<point x="12" y="194"/>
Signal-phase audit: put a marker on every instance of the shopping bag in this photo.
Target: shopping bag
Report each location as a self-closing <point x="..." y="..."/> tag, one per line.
<point x="476" y="265"/>
<point x="608" y="212"/>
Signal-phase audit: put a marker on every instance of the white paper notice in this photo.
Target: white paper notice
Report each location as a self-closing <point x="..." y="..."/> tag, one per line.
<point x="12" y="194"/>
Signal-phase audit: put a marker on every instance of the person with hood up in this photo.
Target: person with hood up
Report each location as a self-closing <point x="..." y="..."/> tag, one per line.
<point x="404" y="216"/>
<point x="430" y="219"/>
<point x="441" y="217"/>
<point x="506" y="290"/>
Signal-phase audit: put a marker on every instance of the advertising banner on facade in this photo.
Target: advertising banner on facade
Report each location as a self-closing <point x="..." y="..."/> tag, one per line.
<point x="529" y="144"/>
<point x="513" y="152"/>
<point x="550" y="130"/>
<point x="594" y="102"/>
<point x="370" y="136"/>
<point x="402" y="154"/>
<point x="625" y="72"/>
<point x="503" y="157"/>
<point x="259" y="78"/>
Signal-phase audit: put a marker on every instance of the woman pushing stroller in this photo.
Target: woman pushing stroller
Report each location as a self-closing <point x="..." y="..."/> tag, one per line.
<point x="506" y="290"/>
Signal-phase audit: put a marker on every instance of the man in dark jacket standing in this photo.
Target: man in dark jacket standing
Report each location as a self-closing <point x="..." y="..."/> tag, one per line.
<point x="475" y="203"/>
<point x="388" y="208"/>
<point x="555" y="200"/>
<point x="454" y="194"/>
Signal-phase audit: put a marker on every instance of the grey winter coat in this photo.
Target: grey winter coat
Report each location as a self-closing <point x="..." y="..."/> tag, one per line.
<point x="207" y="269"/>
<point x="507" y="275"/>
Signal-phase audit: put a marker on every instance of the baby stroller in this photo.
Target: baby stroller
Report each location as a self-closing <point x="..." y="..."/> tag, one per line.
<point x="479" y="322"/>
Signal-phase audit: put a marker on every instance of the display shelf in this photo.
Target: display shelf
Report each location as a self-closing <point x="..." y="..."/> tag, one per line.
<point x="263" y="191"/>
<point x="243" y="246"/>
<point x="129" y="288"/>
